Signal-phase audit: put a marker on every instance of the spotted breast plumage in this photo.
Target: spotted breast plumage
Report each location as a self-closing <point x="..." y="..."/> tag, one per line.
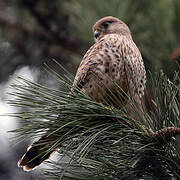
<point x="111" y="70"/>
<point x="113" y="61"/>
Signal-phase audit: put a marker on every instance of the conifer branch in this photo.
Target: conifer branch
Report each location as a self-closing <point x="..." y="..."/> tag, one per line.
<point x="97" y="142"/>
<point x="164" y="135"/>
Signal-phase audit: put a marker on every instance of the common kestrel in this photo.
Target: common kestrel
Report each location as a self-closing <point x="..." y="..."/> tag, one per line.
<point x="112" y="68"/>
<point x="110" y="71"/>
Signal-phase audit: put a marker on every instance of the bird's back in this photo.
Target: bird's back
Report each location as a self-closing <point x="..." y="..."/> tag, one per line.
<point x="113" y="61"/>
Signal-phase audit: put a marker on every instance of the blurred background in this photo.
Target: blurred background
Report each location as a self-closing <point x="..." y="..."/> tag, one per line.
<point x="34" y="32"/>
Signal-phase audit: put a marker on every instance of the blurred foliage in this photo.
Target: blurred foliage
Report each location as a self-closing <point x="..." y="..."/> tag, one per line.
<point x="33" y="32"/>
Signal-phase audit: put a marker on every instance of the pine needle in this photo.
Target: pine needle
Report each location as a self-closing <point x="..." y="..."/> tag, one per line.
<point x="97" y="141"/>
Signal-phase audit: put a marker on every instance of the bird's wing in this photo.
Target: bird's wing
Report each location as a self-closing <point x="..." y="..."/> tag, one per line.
<point x="96" y="59"/>
<point x="88" y="63"/>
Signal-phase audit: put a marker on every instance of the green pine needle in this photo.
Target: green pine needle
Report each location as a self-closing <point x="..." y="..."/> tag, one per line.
<point x="96" y="141"/>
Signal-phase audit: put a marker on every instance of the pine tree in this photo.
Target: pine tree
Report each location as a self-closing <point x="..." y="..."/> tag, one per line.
<point x="100" y="142"/>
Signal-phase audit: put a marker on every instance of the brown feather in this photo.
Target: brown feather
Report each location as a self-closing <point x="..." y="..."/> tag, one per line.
<point x="37" y="153"/>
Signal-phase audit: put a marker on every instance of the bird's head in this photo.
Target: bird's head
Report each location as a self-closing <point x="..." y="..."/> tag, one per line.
<point x="110" y="25"/>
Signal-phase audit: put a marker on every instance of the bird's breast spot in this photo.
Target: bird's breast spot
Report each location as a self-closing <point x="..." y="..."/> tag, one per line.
<point x="101" y="68"/>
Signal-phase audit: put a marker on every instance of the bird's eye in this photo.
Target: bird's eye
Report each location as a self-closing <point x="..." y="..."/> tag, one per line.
<point x="106" y="24"/>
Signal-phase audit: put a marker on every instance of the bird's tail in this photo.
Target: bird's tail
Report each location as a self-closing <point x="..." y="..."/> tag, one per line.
<point x="38" y="152"/>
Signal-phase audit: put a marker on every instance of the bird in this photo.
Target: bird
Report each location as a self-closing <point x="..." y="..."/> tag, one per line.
<point x="110" y="71"/>
<point x="113" y="61"/>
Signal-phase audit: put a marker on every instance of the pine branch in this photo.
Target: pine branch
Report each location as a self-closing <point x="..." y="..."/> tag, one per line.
<point x="164" y="135"/>
<point x="100" y="142"/>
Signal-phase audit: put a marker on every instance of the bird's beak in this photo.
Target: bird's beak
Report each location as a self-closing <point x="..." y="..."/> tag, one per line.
<point x="96" y="34"/>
